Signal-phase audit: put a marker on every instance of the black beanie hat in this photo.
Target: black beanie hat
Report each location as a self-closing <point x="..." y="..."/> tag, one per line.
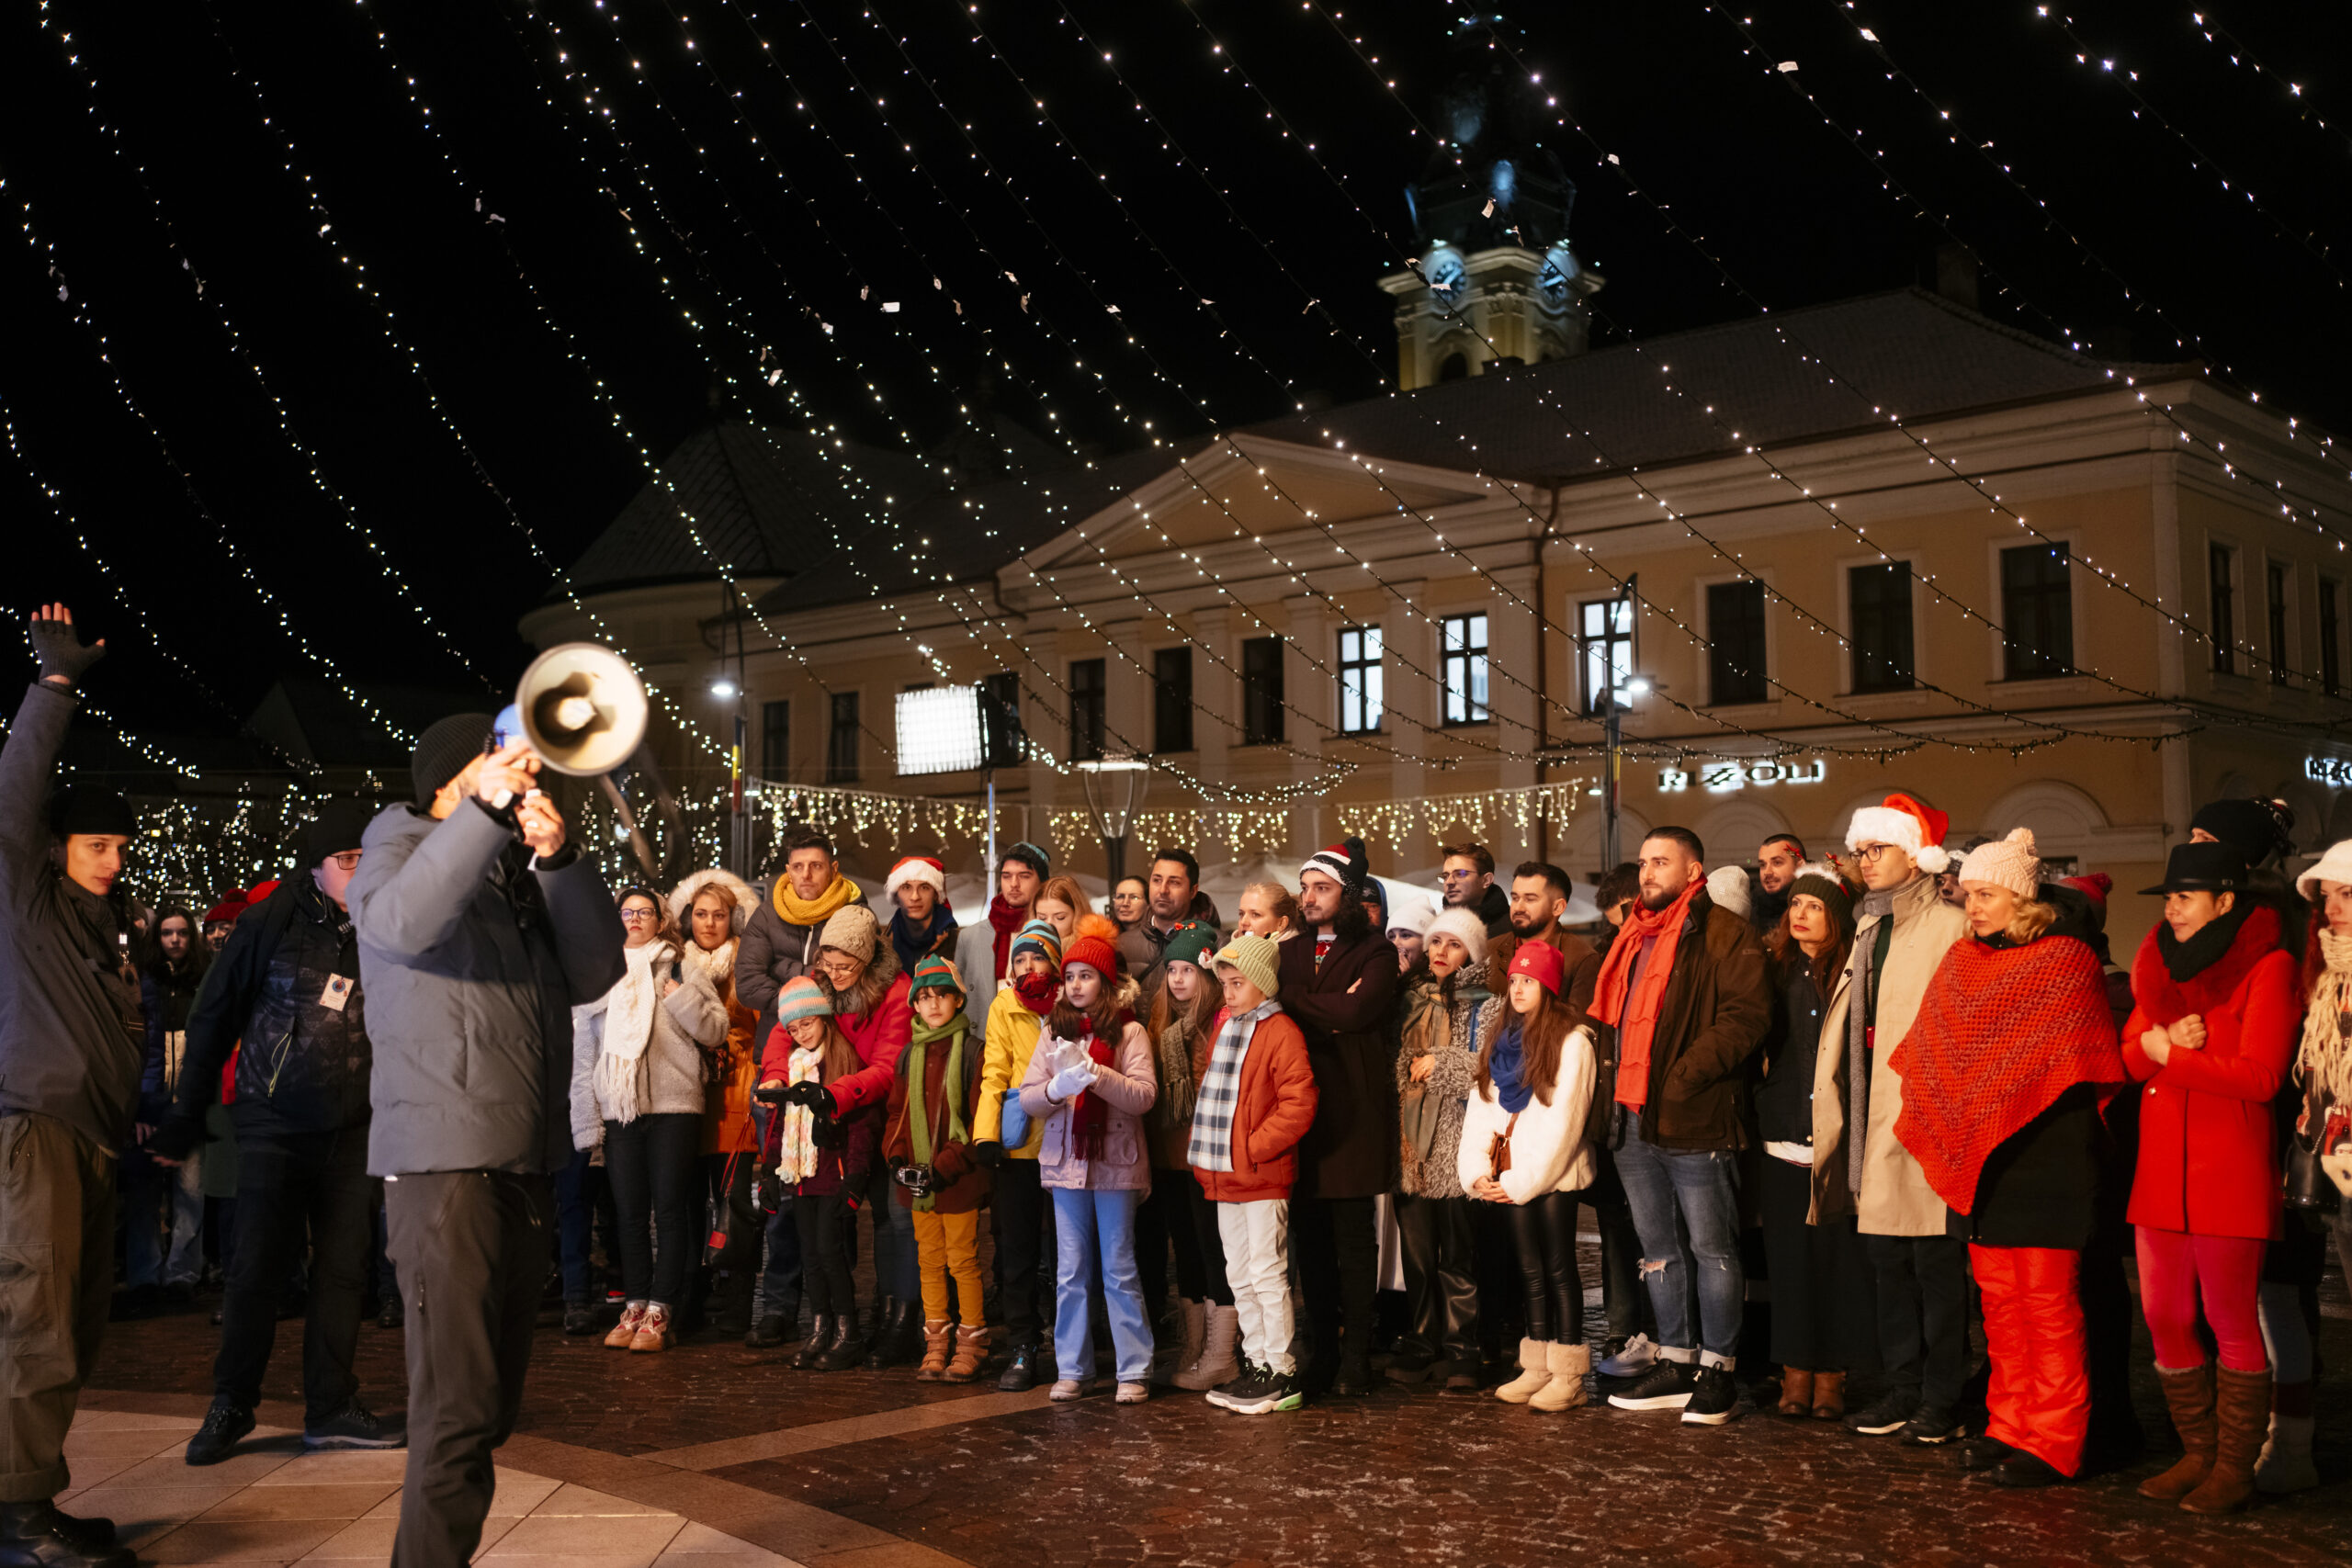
<point x="81" y="809"/>
<point x="443" y="752"/>
<point x="337" y="827"/>
<point x="1834" y="896"/>
<point x="2256" y="828"/>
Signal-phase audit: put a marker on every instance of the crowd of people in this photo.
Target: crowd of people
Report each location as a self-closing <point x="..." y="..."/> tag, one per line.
<point x="1892" y="1090"/>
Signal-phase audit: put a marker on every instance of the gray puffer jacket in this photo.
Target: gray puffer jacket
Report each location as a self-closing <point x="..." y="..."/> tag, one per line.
<point x="473" y="958"/>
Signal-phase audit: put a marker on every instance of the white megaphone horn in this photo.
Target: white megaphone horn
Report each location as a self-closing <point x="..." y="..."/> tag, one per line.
<point x="582" y="707"/>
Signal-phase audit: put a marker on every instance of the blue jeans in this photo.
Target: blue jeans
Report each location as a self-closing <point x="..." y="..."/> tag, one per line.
<point x="897" y="1268"/>
<point x="1091" y="1227"/>
<point x="1685" y="1210"/>
<point x="575" y="1224"/>
<point x="156" y="1200"/>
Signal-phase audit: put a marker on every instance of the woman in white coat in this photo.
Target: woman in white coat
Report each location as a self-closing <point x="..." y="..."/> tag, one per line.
<point x="1523" y="1143"/>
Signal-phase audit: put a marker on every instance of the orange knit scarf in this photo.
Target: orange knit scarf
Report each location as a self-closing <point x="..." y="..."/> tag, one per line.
<point x="1637" y="1017"/>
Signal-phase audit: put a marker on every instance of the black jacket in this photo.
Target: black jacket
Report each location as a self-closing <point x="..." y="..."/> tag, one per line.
<point x="1494" y="908"/>
<point x="305" y="1064"/>
<point x="2040" y="1185"/>
<point x="1784" y="1095"/>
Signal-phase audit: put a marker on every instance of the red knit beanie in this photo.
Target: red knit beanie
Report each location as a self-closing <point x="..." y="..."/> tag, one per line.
<point x="1546" y="964"/>
<point x="1091" y="944"/>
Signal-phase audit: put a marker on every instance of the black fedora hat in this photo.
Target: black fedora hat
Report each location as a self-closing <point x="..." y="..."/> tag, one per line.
<point x="2202" y="868"/>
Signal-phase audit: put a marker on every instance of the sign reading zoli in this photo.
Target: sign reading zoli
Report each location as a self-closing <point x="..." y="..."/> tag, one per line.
<point x="2335" y="770"/>
<point x="1720" y="777"/>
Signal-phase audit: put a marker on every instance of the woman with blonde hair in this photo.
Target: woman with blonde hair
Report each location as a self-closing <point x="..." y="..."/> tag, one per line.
<point x="711" y="908"/>
<point x="1268" y="909"/>
<point x="1060" y="902"/>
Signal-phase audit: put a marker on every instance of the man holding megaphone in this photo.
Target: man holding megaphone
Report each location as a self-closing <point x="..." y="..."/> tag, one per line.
<point x="481" y="926"/>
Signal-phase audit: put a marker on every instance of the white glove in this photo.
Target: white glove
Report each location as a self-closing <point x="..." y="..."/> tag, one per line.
<point x="1071" y="1081"/>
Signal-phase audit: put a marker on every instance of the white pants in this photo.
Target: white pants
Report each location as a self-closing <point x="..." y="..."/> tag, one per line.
<point x="1257" y="1265"/>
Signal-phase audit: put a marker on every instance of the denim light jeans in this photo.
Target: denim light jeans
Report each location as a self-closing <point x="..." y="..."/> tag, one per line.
<point x="160" y="1200"/>
<point x="1092" y="1228"/>
<point x="1685" y="1210"/>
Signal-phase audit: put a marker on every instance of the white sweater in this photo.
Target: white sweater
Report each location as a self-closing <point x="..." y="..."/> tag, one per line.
<point x="1548" y="1153"/>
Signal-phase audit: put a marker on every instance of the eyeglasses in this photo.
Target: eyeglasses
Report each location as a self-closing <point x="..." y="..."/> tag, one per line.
<point x="637" y="914"/>
<point x="1873" y="852"/>
<point x="1465" y="875"/>
<point x="348" y="860"/>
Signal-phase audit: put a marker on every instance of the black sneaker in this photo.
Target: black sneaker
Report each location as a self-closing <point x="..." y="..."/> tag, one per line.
<point x="1280" y="1390"/>
<point x="1885" y="1414"/>
<point x="771" y="1331"/>
<point x="37" y="1533"/>
<point x="395" y="1314"/>
<point x="1021" y="1373"/>
<point x="1980" y="1454"/>
<point x="1929" y="1428"/>
<point x="1668" y="1385"/>
<point x="1353" y="1380"/>
<point x="1409" y="1365"/>
<point x="1715" y="1398"/>
<point x="1249" y="1383"/>
<point x="223" y="1425"/>
<point x="2022" y="1469"/>
<point x="579" y="1317"/>
<point x="354" y="1427"/>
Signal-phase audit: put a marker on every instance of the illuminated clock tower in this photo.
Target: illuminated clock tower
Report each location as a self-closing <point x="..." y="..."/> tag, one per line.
<point x="1496" y="281"/>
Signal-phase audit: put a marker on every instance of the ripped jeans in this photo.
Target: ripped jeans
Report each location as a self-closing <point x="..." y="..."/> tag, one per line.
<point x="1685" y="1210"/>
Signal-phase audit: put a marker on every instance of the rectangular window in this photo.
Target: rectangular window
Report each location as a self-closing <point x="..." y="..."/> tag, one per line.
<point x="2331" y="657"/>
<point x="1463" y="643"/>
<point x="1881" y="597"/>
<point x="1171" y="699"/>
<point x="1004" y="740"/>
<point x="1359" y="692"/>
<point x="840" y="742"/>
<point x="1086" y="712"/>
<point x="1261" y="691"/>
<point x="2275" y="603"/>
<point x="2037" y="613"/>
<point x="1735" y="627"/>
<point x="1604" y="649"/>
<point x="2222" y="579"/>
<point x="775" y="741"/>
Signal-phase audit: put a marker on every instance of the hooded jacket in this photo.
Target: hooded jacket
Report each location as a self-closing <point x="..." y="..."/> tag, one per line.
<point x="1273" y="1106"/>
<point x="72" y="1039"/>
<point x="727" y="1126"/>
<point x="1011" y="1031"/>
<point x="1450" y="1038"/>
<point x="473" y="956"/>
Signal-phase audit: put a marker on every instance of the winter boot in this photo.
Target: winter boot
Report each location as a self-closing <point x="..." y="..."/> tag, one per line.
<point x="1535" y="1371"/>
<point x="821" y="1335"/>
<point x="1567" y="1364"/>
<point x="1829" y="1395"/>
<point x="901" y="1339"/>
<point x="624" y="1333"/>
<point x="1020" y="1370"/>
<point x="2188" y="1392"/>
<point x="971" y="1354"/>
<point x="936" y="1335"/>
<point x="1796" y="1392"/>
<point x="847" y="1349"/>
<point x="1192" y="1319"/>
<point x="654" y="1333"/>
<point x="2286" y="1462"/>
<point x="2241" y="1417"/>
<point x="1216" y="1364"/>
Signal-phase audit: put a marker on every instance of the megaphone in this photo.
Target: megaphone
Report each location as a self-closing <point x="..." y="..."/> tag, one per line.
<point x="581" y="707"/>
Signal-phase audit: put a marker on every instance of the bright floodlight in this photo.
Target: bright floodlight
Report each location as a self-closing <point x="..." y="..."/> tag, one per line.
<point x="939" y="731"/>
<point x="722" y="688"/>
<point x="1639" y="686"/>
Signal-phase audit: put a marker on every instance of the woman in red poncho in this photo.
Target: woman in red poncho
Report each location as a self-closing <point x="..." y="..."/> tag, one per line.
<point x="2003" y="1072"/>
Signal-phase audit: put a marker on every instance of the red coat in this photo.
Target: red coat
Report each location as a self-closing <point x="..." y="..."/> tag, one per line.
<point x="1275" y="1107"/>
<point x="2209" y="1156"/>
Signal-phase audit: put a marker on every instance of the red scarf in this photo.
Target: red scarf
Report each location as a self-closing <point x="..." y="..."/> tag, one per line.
<point x="2001" y="1033"/>
<point x="1090" y="1110"/>
<point x="1637" y="1017"/>
<point x="1036" y="991"/>
<point x="1007" y="920"/>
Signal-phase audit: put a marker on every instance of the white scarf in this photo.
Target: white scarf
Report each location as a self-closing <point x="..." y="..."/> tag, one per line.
<point x="628" y="1028"/>
<point x="2324" y="1063"/>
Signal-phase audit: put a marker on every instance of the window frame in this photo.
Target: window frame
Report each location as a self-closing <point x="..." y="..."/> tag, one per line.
<point x="2222" y="604"/>
<point x="1476" y="663"/>
<point x="1088" y="707"/>
<point x="845" y="724"/>
<point x="775" y="741"/>
<point x="1363" y="692"/>
<point x="2035" y="664"/>
<point x="2279" y="617"/>
<point x="1000" y="695"/>
<point x="1761" y="675"/>
<point x="1595" y="703"/>
<point x="2331" y="635"/>
<point x="1262" y="661"/>
<point x="1908" y="601"/>
<point x="1171" y="700"/>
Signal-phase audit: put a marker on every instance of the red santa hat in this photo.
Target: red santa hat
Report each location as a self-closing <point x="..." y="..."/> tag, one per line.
<point x="917" y="868"/>
<point x="1916" y="830"/>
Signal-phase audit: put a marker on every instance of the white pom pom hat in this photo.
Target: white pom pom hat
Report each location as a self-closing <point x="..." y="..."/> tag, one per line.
<point x="1916" y="830"/>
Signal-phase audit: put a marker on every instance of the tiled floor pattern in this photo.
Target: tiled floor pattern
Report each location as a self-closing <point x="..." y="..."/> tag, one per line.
<point x="272" y="1503"/>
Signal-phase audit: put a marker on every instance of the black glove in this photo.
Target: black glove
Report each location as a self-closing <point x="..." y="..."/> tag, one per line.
<point x="813" y="1096"/>
<point x="989" y="1155"/>
<point x="61" y="651"/>
<point x="175" y="1136"/>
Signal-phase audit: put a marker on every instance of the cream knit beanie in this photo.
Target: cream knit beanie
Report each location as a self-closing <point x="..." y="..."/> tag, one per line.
<point x="2012" y="862"/>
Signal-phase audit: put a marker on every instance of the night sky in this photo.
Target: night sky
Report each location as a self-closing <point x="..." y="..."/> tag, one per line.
<point x="680" y="249"/>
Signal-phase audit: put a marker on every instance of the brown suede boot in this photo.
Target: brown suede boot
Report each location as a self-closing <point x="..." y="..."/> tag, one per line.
<point x="971" y="1354"/>
<point x="937" y="1333"/>
<point x="2188" y="1394"/>
<point x="1796" y="1392"/>
<point x="1829" y="1395"/>
<point x="2242" y="1419"/>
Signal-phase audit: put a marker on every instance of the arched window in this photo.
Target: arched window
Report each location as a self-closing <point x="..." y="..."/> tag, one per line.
<point x="1453" y="368"/>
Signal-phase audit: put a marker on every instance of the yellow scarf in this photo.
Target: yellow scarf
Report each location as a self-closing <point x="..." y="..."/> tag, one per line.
<point x="814" y="911"/>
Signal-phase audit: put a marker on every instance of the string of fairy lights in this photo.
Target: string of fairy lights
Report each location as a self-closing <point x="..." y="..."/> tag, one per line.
<point x="2234" y="49"/>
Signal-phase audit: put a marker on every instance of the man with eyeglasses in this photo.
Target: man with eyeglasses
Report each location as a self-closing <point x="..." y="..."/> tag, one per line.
<point x="288" y="986"/>
<point x="1859" y="1167"/>
<point x="1469" y="873"/>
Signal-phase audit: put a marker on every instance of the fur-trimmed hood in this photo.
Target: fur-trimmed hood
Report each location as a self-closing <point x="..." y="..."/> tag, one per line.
<point x="681" y="899"/>
<point x="872" y="986"/>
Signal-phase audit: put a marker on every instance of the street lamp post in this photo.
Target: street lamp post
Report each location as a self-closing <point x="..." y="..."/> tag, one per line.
<point x="739" y="821"/>
<point x="1115" y="787"/>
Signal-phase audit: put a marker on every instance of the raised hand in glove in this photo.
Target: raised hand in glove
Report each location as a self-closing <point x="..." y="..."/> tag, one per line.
<point x="63" y="656"/>
<point x="813" y="1096"/>
<point x="1070" y="1081"/>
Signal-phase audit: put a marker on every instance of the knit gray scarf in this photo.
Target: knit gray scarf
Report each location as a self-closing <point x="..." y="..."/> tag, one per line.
<point x="1858" y="1054"/>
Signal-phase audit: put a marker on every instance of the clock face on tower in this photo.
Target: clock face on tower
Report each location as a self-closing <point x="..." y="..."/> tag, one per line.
<point x="1559" y="270"/>
<point x="1448" y="281"/>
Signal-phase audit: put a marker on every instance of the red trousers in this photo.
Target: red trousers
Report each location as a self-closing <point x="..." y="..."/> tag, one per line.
<point x="2040" y="1393"/>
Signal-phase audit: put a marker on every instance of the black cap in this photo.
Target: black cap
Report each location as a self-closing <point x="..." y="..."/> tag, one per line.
<point x="443" y="752"/>
<point x="2202" y="868"/>
<point x="80" y="809"/>
<point x="2257" y="828"/>
<point x="337" y="827"/>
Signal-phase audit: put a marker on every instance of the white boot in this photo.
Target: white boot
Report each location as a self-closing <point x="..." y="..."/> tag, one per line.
<point x="1216" y="1364"/>
<point x="1193" y="1317"/>
<point x="1535" y="1371"/>
<point x="2286" y="1463"/>
<point x="1569" y="1364"/>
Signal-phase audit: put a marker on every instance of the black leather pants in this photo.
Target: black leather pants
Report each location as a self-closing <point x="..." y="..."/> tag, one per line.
<point x="1441" y="1277"/>
<point x="1545" y="1229"/>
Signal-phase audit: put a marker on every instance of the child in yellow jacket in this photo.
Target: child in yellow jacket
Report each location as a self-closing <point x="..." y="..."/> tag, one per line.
<point x="1002" y="1137"/>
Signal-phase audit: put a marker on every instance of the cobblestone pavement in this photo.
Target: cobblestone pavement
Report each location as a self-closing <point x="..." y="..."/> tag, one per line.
<point x="873" y="1470"/>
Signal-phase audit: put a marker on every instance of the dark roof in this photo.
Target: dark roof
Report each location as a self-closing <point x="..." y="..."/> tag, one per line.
<point x="317" y="721"/>
<point x="968" y="533"/>
<point x="762" y="500"/>
<point x="1787" y="377"/>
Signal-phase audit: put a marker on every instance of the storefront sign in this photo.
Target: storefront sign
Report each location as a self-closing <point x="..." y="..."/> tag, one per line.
<point x="1718" y="778"/>
<point x="2336" y="771"/>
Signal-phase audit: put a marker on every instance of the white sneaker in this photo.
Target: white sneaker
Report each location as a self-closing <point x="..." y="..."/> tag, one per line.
<point x="1638" y="1356"/>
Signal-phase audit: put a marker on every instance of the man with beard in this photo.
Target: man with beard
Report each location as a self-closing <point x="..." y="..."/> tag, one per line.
<point x="1469" y="871"/>
<point x="1338" y="982"/>
<point x="1776" y="872"/>
<point x="1174" y="891"/>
